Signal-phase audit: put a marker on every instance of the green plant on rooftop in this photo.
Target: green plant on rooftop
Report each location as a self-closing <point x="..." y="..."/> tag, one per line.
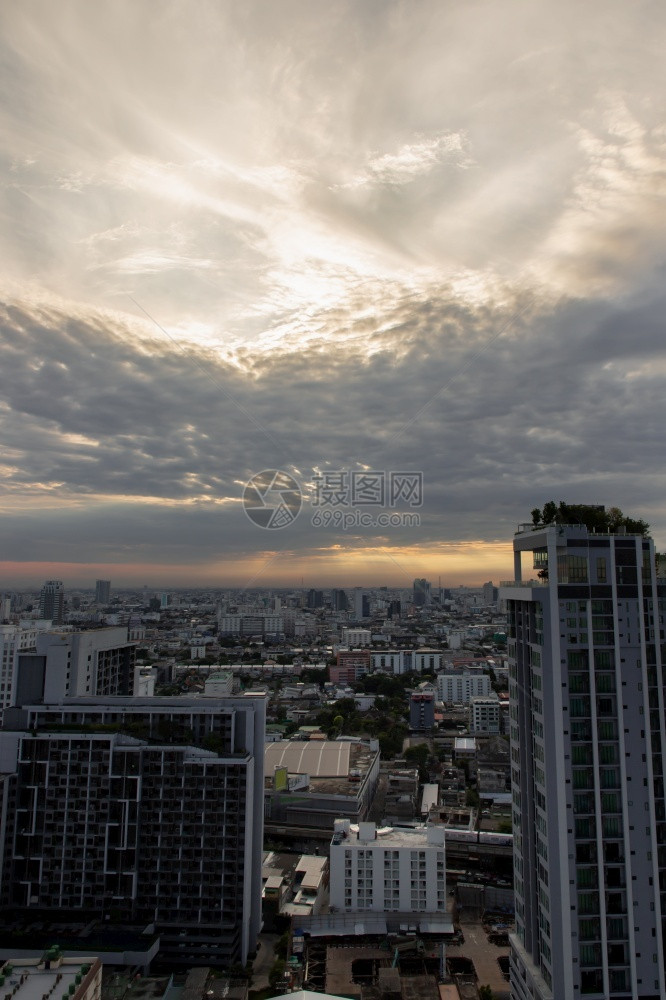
<point x="594" y="517"/>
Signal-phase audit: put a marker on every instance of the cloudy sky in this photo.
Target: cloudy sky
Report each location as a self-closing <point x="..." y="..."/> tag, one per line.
<point x="385" y="235"/>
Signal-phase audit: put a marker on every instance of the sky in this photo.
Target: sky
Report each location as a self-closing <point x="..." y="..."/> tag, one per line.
<point x="326" y="240"/>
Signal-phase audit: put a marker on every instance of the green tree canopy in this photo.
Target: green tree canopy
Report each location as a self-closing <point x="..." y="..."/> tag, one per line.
<point x="595" y="517"/>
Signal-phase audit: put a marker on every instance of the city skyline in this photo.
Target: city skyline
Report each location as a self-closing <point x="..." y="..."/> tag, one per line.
<point x="387" y="238"/>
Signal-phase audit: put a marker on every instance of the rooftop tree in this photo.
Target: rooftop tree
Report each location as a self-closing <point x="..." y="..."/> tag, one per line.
<point x="594" y="517"/>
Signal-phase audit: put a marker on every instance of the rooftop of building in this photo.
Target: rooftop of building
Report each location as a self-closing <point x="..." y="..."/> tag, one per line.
<point x="334" y="766"/>
<point x="53" y="975"/>
<point x="391" y="837"/>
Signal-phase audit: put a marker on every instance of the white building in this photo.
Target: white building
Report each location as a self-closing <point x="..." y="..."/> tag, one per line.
<point x="247" y="624"/>
<point x="456" y="639"/>
<point x="484" y="714"/>
<point x="219" y="684"/>
<point x="387" y="870"/>
<point x="353" y="638"/>
<point x="94" y="662"/>
<point x="15" y="639"/>
<point x="144" y="682"/>
<point x="588" y="739"/>
<point x="405" y="661"/>
<point x="459" y="689"/>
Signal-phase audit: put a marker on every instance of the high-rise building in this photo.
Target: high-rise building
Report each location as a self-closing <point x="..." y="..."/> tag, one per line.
<point x="361" y="604"/>
<point x="422" y="592"/>
<point x="52" y="602"/>
<point x="315" y="598"/>
<point x="339" y="600"/>
<point x="68" y="664"/>
<point x="14" y="641"/>
<point x="102" y="591"/>
<point x="142" y="810"/>
<point x="587" y="758"/>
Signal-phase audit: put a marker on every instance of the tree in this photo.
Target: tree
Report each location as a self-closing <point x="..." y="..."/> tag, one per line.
<point x="485" y="993"/>
<point x="277" y="972"/>
<point x="417" y="754"/>
<point x="472" y="797"/>
<point x="594" y="516"/>
<point x="282" y="945"/>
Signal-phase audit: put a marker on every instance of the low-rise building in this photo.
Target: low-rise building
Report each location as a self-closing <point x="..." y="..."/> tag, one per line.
<point x="323" y="779"/>
<point x="387" y="870"/>
<point x="422" y="710"/>
<point x="52" y="976"/>
<point x="484" y="714"/>
<point x="402" y="790"/>
<point x="406" y="661"/>
<point x="220" y="684"/>
<point x="296" y="886"/>
<point x="459" y="688"/>
<point x="351" y="664"/>
<point x="355" y="637"/>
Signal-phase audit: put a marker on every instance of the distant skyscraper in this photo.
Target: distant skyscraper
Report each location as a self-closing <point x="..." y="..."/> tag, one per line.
<point x="102" y="591"/>
<point x="361" y="604"/>
<point x="588" y="738"/>
<point x="52" y="601"/>
<point x="339" y="600"/>
<point x="421" y="592"/>
<point x="315" y="598"/>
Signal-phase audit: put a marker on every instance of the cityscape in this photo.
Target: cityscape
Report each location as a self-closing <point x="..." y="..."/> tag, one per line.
<point x="425" y="791"/>
<point x="332" y="520"/>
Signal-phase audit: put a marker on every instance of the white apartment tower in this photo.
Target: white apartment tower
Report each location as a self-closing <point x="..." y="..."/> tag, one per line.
<point x="587" y="751"/>
<point x="459" y="689"/>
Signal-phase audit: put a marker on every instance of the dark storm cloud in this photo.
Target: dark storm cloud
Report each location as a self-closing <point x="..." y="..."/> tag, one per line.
<point x="392" y="235"/>
<point x="495" y="423"/>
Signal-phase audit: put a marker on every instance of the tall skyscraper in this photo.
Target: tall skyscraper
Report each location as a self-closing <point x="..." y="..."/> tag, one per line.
<point x="102" y="591"/>
<point x="52" y="601"/>
<point x="422" y="592"/>
<point x="339" y="600"/>
<point x="315" y="599"/>
<point x="587" y="753"/>
<point x="361" y="604"/>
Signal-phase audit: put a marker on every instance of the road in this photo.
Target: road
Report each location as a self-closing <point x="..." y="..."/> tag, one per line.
<point x="264" y="961"/>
